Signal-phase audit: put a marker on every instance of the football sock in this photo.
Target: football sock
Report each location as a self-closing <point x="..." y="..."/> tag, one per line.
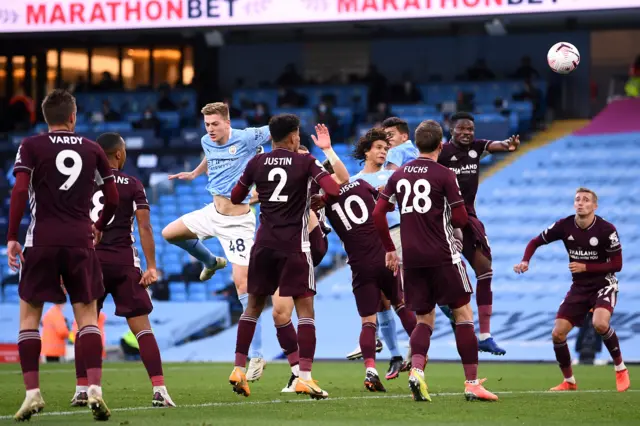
<point x="388" y="331"/>
<point x="246" y="328"/>
<point x="420" y="341"/>
<point x="81" y="370"/>
<point x="255" y="351"/>
<point x="407" y="318"/>
<point x="307" y="345"/>
<point x="29" y="347"/>
<point x="91" y="341"/>
<point x="610" y="339"/>
<point x="564" y="359"/>
<point x="484" y="298"/>
<point x="150" y="355"/>
<point x="467" y="345"/>
<point x="198" y="250"/>
<point x="368" y="344"/>
<point x="288" y="339"/>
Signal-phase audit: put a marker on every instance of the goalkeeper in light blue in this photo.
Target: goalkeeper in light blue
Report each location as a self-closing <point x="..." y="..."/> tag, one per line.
<point x="227" y="152"/>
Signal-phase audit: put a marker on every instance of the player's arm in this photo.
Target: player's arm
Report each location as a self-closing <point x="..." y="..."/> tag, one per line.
<point x="549" y="235"/>
<point x="507" y="145"/>
<point x="459" y="216"/>
<point x="19" y="196"/>
<point x="107" y="183"/>
<point x="323" y="141"/>
<point x="143" y="217"/>
<point x="243" y="187"/>
<point x="254" y="197"/>
<point x="202" y="168"/>
<point x="322" y="178"/>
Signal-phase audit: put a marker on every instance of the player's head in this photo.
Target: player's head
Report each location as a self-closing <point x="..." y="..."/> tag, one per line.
<point x="59" y="110"/>
<point x="463" y="128"/>
<point x="428" y="137"/>
<point x="397" y="130"/>
<point x="585" y="202"/>
<point x="303" y="150"/>
<point x="285" y="131"/>
<point x="217" y="121"/>
<point x="113" y="145"/>
<point x="372" y="147"/>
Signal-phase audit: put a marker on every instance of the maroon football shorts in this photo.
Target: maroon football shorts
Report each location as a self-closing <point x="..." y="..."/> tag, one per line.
<point x="370" y="284"/>
<point x="580" y="299"/>
<point x="271" y="269"/>
<point x="123" y="283"/>
<point x="319" y="245"/>
<point x="43" y="267"/>
<point x="475" y="236"/>
<point x="424" y="288"/>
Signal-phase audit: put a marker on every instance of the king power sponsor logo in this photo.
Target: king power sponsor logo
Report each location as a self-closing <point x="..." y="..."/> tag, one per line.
<point x="77" y="15"/>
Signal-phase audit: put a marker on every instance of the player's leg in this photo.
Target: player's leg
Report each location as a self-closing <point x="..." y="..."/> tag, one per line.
<point x="287" y="336"/>
<point x="257" y="362"/>
<point x="561" y="329"/>
<point x="80" y="397"/>
<point x="387" y="328"/>
<point x="601" y="323"/>
<point x="368" y="294"/>
<point x="420" y="341"/>
<point x="150" y="355"/>
<point x="29" y="347"/>
<point x="187" y="232"/>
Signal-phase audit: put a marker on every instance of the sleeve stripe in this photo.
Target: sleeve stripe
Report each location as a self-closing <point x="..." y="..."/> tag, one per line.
<point x="385" y="196"/>
<point x="242" y="183"/>
<point x="613" y="250"/>
<point x="320" y="175"/>
<point x="542" y="236"/>
<point x="456" y="202"/>
<point x="108" y="177"/>
<point x="22" y="167"/>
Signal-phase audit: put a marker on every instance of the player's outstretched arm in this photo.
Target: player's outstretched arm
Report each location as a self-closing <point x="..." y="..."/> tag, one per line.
<point x="329" y="186"/>
<point x="143" y="216"/>
<point x="507" y="145"/>
<point x="202" y="168"/>
<point x="459" y="216"/>
<point x="531" y="248"/>
<point x="19" y="196"/>
<point x="323" y="141"/>
<point x="239" y="193"/>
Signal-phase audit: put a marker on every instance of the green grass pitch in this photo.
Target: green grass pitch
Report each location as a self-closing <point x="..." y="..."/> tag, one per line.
<point x="204" y="397"/>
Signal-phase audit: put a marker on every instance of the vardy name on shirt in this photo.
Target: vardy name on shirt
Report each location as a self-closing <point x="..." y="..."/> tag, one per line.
<point x="73" y="140"/>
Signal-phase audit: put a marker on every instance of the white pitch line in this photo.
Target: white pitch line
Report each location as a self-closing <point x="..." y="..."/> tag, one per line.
<point x="340" y="398"/>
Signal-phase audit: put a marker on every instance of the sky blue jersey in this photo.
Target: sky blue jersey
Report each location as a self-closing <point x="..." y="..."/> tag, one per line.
<point x="377" y="180"/>
<point x="226" y="163"/>
<point x="402" y="154"/>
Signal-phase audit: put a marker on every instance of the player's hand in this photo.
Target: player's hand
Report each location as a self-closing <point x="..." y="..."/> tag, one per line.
<point x="323" y="140"/>
<point x="576" y="267"/>
<point x="513" y="142"/>
<point x="97" y="235"/>
<point x="521" y="267"/>
<point x="392" y="261"/>
<point x="14" y="253"/>
<point x="149" y="277"/>
<point x="317" y="202"/>
<point x="183" y="176"/>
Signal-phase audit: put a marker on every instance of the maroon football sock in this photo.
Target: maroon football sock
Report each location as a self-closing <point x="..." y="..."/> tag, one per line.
<point x="81" y="370"/>
<point x="307" y="343"/>
<point x="610" y="339"/>
<point x="150" y="354"/>
<point x="91" y="342"/>
<point x="564" y="358"/>
<point x="467" y="344"/>
<point x="288" y="339"/>
<point x="29" y="347"/>
<point x="484" y="298"/>
<point x="419" y="342"/>
<point x="368" y="344"/>
<point x="246" y="329"/>
<point x="407" y="318"/>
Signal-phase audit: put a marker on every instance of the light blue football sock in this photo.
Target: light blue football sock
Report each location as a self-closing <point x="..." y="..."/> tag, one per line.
<point x="255" y="350"/>
<point x="198" y="250"/>
<point x="387" y="327"/>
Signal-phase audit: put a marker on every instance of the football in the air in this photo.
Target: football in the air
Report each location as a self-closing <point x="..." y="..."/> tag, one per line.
<point x="563" y="57"/>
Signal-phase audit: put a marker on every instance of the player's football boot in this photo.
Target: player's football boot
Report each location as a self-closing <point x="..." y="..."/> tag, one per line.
<point x="80" y="399"/>
<point x="208" y="272"/>
<point x="418" y="386"/>
<point x="161" y="397"/>
<point x="239" y="382"/>
<point x="291" y="384"/>
<point x="478" y="392"/>
<point x="33" y="404"/>
<point x="357" y="352"/>
<point x="622" y="380"/>
<point x="98" y="407"/>
<point x="564" y="386"/>
<point x="490" y="345"/>
<point x="311" y="388"/>
<point x="395" y="366"/>
<point x="372" y="382"/>
<point x="256" y="368"/>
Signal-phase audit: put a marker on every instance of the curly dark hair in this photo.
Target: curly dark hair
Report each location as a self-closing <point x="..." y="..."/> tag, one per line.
<point x="366" y="142"/>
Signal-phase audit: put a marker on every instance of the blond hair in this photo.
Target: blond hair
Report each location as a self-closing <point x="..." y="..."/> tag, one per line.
<point x="218" y="108"/>
<point x="588" y="191"/>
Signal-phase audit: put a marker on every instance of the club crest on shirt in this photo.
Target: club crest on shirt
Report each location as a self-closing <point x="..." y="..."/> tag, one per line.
<point x="233" y="149"/>
<point x="593" y="241"/>
<point x="473" y="153"/>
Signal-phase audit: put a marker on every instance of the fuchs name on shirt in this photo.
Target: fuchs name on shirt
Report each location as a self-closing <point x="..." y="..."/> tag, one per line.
<point x="416" y="169"/>
<point x="71" y="140"/>
<point x="275" y="161"/>
<point x="349" y="186"/>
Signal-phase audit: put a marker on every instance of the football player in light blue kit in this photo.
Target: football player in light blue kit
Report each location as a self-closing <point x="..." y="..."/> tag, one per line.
<point x="227" y="152"/>
<point x="402" y="149"/>
<point x="372" y="149"/>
